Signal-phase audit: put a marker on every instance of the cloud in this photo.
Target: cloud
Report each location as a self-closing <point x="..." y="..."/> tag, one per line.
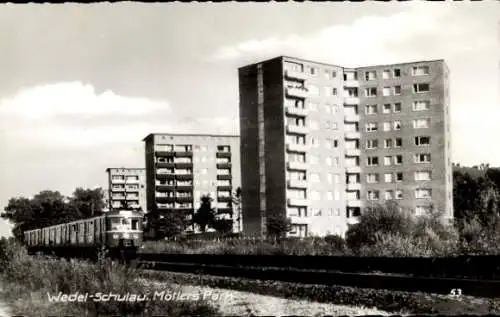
<point x="74" y="115"/>
<point x="74" y="98"/>
<point x="420" y="32"/>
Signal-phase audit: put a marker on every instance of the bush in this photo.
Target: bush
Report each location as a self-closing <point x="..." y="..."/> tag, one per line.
<point x="34" y="277"/>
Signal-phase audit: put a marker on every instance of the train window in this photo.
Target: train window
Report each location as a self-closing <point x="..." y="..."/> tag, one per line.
<point x="135" y="224"/>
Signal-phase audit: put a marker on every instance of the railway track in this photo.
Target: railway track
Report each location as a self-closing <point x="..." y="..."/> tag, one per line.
<point x="388" y="281"/>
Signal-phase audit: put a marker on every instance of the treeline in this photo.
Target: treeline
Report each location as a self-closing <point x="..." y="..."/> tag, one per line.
<point x="51" y="207"/>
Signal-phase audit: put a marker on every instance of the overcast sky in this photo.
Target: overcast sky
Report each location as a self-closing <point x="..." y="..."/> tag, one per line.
<point x="81" y="85"/>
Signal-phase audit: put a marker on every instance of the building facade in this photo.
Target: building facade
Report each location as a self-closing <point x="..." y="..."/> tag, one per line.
<point x="127" y="186"/>
<point x="322" y="142"/>
<point x="182" y="168"/>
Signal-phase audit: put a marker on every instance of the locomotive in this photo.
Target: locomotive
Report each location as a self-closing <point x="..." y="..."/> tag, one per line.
<point x="118" y="232"/>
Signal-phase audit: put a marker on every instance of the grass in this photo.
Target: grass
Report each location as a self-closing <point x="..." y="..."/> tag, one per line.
<point x="27" y="281"/>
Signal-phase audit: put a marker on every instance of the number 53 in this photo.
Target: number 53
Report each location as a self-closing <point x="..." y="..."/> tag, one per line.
<point x="456" y="292"/>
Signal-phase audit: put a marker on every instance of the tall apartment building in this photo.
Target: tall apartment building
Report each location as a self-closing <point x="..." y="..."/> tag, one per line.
<point x="127" y="186"/>
<point x="181" y="168"/>
<point x="322" y="142"/>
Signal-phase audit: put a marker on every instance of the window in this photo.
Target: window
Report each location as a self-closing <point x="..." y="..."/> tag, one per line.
<point x="422" y="210"/>
<point x="371" y="127"/>
<point x="334" y="74"/>
<point x="371" y="75"/>
<point x="313" y="125"/>
<point x="314" y="142"/>
<point x="329" y="178"/>
<point x="421" y="105"/>
<point x="373" y="195"/>
<point x="312" y="71"/>
<point x="399" y="194"/>
<point x="398" y="143"/>
<point x="314" y="177"/>
<point x="420" y="70"/>
<point x="313" y="90"/>
<point x="398" y="159"/>
<point x="372" y="161"/>
<point x="388" y="195"/>
<point x="386" y="91"/>
<point x="388" y="143"/>
<point x="372" y="144"/>
<point x="397" y="125"/>
<point x="313" y="106"/>
<point x="386" y="74"/>
<point x="329" y="196"/>
<point x="397" y="72"/>
<point x="313" y="159"/>
<point x="423" y="193"/>
<point x="372" y="178"/>
<point x="421" y="123"/>
<point x="422" y="158"/>
<point x="387" y="160"/>
<point x="387" y="126"/>
<point x="423" y="176"/>
<point x="327" y="74"/>
<point x="336" y="178"/>
<point x="422" y="140"/>
<point x="399" y="176"/>
<point x="329" y="161"/>
<point x="388" y="177"/>
<point x="334" y="91"/>
<point x="397" y="90"/>
<point x="397" y="107"/>
<point x="387" y="108"/>
<point x="420" y="88"/>
<point x="328" y="91"/>
<point x="371" y="92"/>
<point x="328" y="108"/>
<point x="371" y="109"/>
<point x="336" y="195"/>
<point x="335" y="143"/>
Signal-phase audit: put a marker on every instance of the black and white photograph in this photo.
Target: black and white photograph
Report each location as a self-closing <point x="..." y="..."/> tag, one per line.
<point x="250" y="159"/>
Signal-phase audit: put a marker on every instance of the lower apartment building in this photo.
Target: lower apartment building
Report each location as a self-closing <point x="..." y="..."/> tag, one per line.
<point x="127" y="187"/>
<point x="181" y="168"/>
<point x="322" y="143"/>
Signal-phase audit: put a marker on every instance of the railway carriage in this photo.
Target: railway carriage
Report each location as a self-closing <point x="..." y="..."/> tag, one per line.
<point x="116" y="231"/>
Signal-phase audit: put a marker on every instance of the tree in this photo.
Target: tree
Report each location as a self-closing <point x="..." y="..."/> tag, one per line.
<point x="88" y="202"/>
<point x="278" y="226"/>
<point x="171" y="224"/>
<point x="205" y="215"/>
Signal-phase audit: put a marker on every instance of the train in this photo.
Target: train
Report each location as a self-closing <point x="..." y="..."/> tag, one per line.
<point x="118" y="232"/>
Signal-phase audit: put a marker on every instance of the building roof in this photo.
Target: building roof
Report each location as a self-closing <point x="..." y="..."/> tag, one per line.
<point x="149" y="136"/>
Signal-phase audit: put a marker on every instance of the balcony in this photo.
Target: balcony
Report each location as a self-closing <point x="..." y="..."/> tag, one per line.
<point x="351" y="83"/>
<point x="296" y="111"/>
<point x="183" y="165"/>
<point x="295" y="183"/>
<point x="294" y="147"/>
<point x="184" y="176"/>
<point x="132" y="197"/>
<point x="300" y="220"/>
<point x="352" y="135"/>
<point x="117" y="197"/>
<point x="184" y="199"/>
<point x="351" y="117"/>
<point x="164" y="206"/>
<point x="165" y="199"/>
<point x="122" y="189"/>
<point x="353" y="186"/>
<point x="224" y="187"/>
<point x="297" y="166"/>
<point x="223" y="154"/>
<point x="351" y="100"/>
<point x="297" y="202"/>
<point x="353" y="169"/>
<point x="224" y="165"/>
<point x="185" y="208"/>
<point x="165" y="187"/>
<point x="165" y="176"/>
<point x="224" y="198"/>
<point x="165" y="153"/>
<point x="183" y="153"/>
<point x="164" y="164"/>
<point x="352" y="152"/>
<point x="186" y="187"/>
<point x="352" y="220"/>
<point x="297" y="129"/>
<point x="224" y="177"/>
<point x="295" y="74"/>
<point x="353" y="203"/>
<point x="296" y="92"/>
<point x="132" y="189"/>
